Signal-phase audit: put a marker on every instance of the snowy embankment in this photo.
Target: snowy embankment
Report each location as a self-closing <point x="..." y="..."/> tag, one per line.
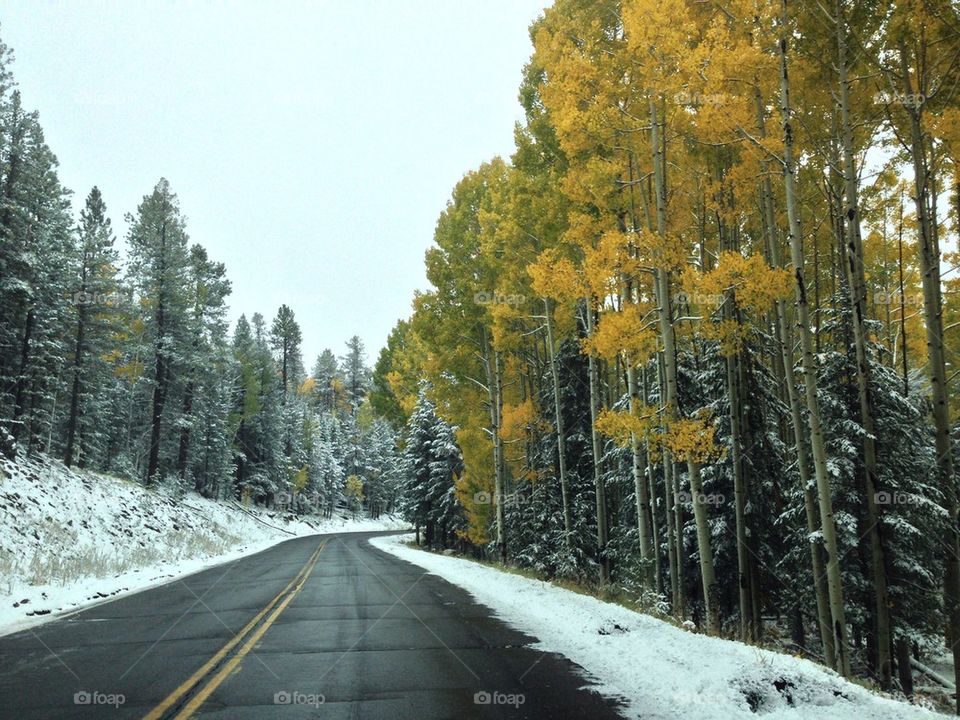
<point x="72" y="539"/>
<point x="661" y="671"/>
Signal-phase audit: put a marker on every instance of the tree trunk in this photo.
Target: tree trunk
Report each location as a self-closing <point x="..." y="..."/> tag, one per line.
<point x="668" y="337"/>
<point x="904" y="670"/>
<point x="183" y="451"/>
<point x="652" y="494"/>
<point x="857" y="287"/>
<point x="598" y="481"/>
<point x="20" y="392"/>
<point x="739" y="500"/>
<point x="936" y="367"/>
<point x="76" y="387"/>
<point x="160" y="366"/>
<point x="491" y="360"/>
<point x="641" y="495"/>
<point x="817" y="444"/>
<point x="707" y="574"/>
<point x="560" y="429"/>
<point x="785" y="342"/>
<point x="672" y="542"/>
<point x="501" y="460"/>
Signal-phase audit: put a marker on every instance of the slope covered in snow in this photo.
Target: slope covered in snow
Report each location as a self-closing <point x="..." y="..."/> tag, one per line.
<point x="661" y="671"/>
<point x="69" y="539"/>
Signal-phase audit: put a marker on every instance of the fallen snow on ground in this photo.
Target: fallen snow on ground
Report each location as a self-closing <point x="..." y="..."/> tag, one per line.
<point x="72" y="539"/>
<point x="661" y="671"/>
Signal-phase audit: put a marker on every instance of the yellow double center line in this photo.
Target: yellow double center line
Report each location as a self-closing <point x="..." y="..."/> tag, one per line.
<point x="251" y="632"/>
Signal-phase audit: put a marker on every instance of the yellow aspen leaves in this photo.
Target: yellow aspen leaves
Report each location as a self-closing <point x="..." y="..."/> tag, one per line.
<point x="754" y="285"/>
<point x="556" y="277"/>
<point x="622" y="426"/>
<point x="627" y="331"/>
<point x="693" y="439"/>
<point x="307" y="387"/>
<point x="299" y="479"/>
<point x="517" y="420"/>
<point x="748" y="283"/>
<point x="669" y="252"/>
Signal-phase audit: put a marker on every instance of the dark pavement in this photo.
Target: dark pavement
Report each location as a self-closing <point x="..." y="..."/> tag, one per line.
<point x="351" y="632"/>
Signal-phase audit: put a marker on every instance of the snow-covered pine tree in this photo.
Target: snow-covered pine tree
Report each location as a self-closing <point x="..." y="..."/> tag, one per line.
<point x="36" y="268"/>
<point x="95" y="302"/>
<point x="326" y="373"/>
<point x="355" y="373"/>
<point x="432" y="462"/>
<point x="159" y="260"/>
<point x="200" y="362"/>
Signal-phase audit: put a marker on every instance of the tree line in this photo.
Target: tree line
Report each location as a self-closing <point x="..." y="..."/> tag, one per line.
<point x="696" y="336"/>
<point x="118" y="357"/>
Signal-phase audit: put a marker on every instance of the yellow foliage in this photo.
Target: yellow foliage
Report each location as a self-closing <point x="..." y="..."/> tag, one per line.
<point x="607" y="264"/>
<point x="692" y="439"/>
<point x="406" y="398"/>
<point x="307" y="387"/>
<point x="750" y="284"/>
<point x="728" y="332"/>
<point x="663" y="252"/>
<point x="299" y="480"/>
<point x="516" y="420"/>
<point x="505" y="317"/>
<point x="622" y="426"/>
<point x="129" y="371"/>
<point x="354" y="488"/>
<point x="622" y="331"/>
<point x="475" y="486"/>
<point x="754" y="284"/>
<point x="555" y="277"/>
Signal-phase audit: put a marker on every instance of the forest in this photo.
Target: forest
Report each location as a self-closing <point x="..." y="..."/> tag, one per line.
<point x="698" y="335"/>
<point x="118" y="357"/>
<point x="692" y="346"/>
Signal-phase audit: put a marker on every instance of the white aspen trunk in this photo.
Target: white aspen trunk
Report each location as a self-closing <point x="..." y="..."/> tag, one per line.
<point x="856" y="283"/>
<point x="559" y="426"/>
<point x="817" y="444"/>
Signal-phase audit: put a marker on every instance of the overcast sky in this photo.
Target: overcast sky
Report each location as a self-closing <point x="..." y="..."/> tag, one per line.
<point x="312" y="145"/>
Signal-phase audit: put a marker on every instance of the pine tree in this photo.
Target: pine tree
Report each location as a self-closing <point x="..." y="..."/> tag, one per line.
<point x="326" y="372"/>
<point x="201" y="357"/>
<point x="433" y="461"/>
<point x="158" y="268"/>
<point x="285" y="339"/>
<point x="355" y="373"/>
<point x="94" y="300"/>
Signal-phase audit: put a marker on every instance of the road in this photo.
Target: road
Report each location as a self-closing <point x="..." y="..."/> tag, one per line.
<point x="317" y="627"/>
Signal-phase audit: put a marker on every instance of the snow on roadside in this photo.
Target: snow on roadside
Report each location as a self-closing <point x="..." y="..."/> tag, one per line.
<point x="662" y="672"/>
<point x="71" y="539"/>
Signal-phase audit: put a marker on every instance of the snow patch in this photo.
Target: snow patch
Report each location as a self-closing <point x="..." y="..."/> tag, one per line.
<point x="661" y="671"/>
<point x="71" y="539"/>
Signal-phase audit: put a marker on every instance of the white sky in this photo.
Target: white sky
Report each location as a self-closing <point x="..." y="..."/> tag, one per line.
<point x="312" y="144"/>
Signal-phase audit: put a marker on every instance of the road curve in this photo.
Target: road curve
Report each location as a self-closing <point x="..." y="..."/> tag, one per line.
<point x="316" y="627"/>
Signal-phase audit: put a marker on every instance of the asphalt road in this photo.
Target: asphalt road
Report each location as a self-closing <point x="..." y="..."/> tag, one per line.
<point x="349" y="632"/>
